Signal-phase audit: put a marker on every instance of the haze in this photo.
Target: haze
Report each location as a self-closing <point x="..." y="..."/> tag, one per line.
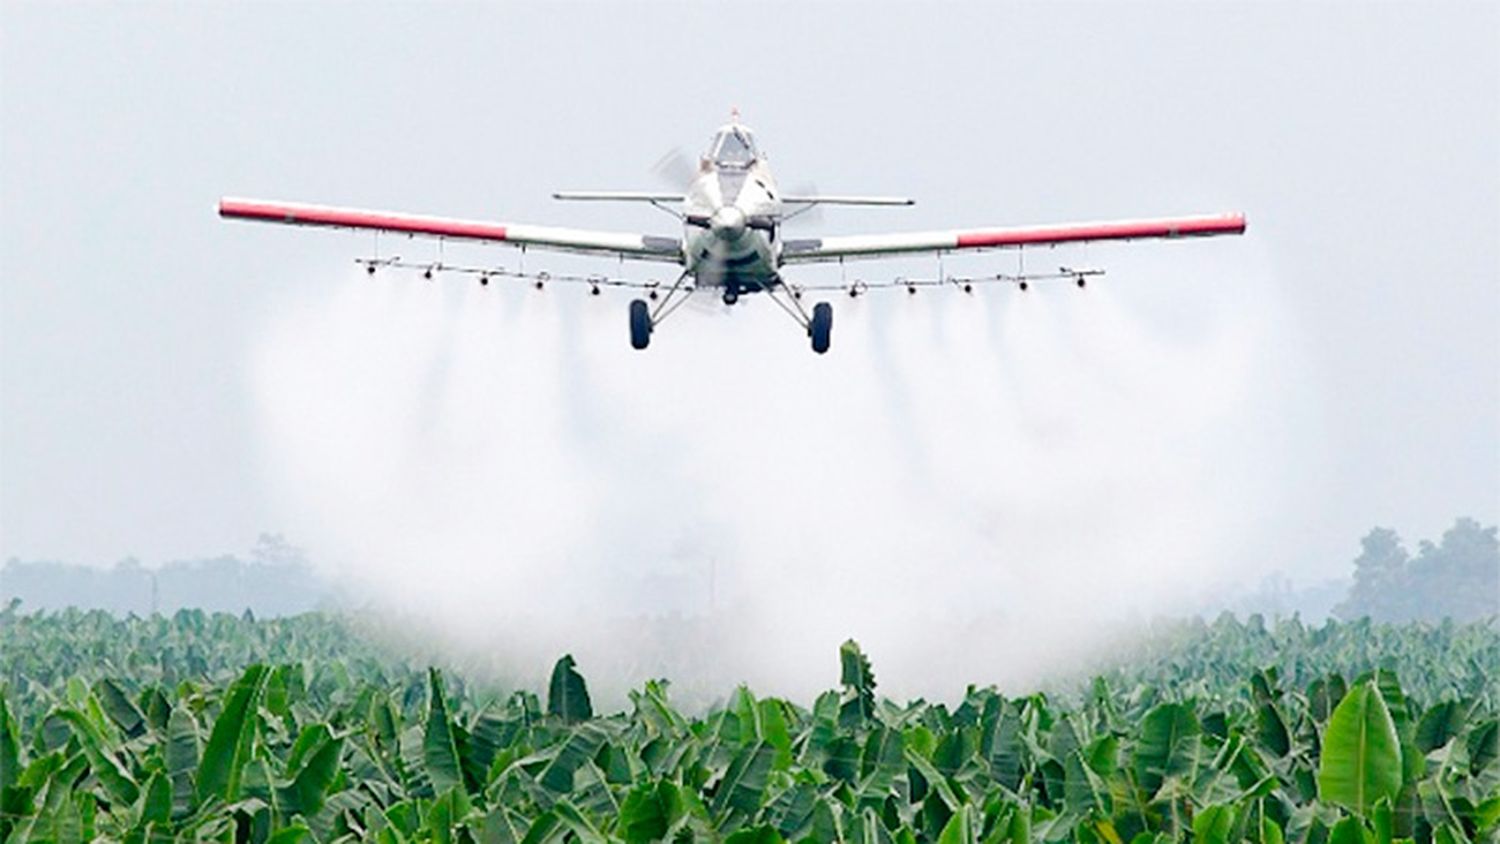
<point x="1208" y="412"/>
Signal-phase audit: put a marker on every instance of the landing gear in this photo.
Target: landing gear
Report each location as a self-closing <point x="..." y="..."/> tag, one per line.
<point x="731" y="293"/>
<point x="820" y="327"/>
<point x="640" y="324"/>
<point x="644" y="318"/>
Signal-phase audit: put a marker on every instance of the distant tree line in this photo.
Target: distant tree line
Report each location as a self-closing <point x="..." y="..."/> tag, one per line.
<point x="1458" y="577"/>
<point x="276" y="580"/>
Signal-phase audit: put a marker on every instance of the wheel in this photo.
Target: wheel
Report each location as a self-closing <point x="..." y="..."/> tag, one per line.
<point x="640" y="324"/>
<point x="821" y="327"/>
<point x="731" y="296"/>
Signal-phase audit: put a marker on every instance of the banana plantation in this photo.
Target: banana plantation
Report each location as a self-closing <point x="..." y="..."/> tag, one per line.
<point x="199" y="727"/>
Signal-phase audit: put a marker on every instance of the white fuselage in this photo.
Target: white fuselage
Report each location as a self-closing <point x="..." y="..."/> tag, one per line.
<point x="731" y="238"/>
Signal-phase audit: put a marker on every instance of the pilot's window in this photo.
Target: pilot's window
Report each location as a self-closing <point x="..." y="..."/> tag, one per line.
<point x="734" y="148"/>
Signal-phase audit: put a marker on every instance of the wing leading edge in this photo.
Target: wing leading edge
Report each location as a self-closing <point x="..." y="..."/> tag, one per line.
<point x="809" y="250"/>
<point x="623" y="244"/>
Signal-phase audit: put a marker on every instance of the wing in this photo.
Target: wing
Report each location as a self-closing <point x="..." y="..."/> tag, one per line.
<point x="830" y="199"/>
<point x="622" y="244"/>
<point x="808" y="250"/>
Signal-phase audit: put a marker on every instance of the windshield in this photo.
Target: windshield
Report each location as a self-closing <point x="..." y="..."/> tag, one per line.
<point x="733" y="148"/>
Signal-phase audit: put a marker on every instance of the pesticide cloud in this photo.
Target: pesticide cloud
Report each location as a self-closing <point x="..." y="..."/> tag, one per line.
<point x="977" y="488"/>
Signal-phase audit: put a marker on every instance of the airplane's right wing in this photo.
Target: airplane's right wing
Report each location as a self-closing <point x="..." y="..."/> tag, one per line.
<point x="810" y="250"/>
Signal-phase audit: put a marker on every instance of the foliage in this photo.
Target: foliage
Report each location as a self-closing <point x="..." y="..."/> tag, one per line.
<point x="1361" y="758"/>
<point x="180" y="729"/>
<point x="1198" y="658"/>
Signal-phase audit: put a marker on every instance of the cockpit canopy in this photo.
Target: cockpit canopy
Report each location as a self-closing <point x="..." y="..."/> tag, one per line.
<point x="734" y="147"/>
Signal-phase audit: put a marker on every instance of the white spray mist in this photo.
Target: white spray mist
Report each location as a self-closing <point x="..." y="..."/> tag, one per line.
<point x="977" y="488"/>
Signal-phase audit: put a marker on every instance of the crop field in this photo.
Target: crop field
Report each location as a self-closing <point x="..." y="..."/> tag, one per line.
<point x="199" y="727"/>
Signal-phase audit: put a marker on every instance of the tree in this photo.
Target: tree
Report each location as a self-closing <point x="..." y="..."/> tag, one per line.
<point x="1459" y="577"/>
<point x="272" y="549"/>
<point x="1379" y="572"/>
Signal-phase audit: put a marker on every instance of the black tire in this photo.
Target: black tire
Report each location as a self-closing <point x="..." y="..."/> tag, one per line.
<point x="821" y="327"/>
<point x="640" y="324"/>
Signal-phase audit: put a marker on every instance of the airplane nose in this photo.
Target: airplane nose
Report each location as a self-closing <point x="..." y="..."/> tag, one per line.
<point x="728" y="223"/>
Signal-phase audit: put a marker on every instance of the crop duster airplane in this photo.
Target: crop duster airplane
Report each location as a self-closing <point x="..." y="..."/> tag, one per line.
<point x="732" y="214"/>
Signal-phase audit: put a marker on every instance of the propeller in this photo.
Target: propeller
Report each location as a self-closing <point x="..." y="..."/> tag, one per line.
<point x="676" y="169"/>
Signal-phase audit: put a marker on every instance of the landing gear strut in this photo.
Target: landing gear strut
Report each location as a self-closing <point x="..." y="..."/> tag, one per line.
<point x="819" y="326"/>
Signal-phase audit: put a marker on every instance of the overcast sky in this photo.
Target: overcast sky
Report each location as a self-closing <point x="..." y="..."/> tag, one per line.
<point x="1363" y="142"/>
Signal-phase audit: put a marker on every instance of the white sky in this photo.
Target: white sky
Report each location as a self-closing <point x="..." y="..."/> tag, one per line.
<point x="1362" y="140"/>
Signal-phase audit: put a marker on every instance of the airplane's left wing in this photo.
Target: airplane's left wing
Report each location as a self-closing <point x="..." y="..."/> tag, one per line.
<point x="626" y="245"/>
<point x="808" y="250"/>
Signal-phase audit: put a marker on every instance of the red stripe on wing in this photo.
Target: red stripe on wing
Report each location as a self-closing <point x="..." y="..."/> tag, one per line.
<point x="317" y="215"/>
<point x="1122" y="230"/>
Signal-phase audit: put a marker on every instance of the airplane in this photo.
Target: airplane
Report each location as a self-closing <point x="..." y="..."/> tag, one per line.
<point x="732" y="213"/>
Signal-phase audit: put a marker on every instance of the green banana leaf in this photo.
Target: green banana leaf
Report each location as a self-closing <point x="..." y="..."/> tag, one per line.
<point x="1361" y="760"/>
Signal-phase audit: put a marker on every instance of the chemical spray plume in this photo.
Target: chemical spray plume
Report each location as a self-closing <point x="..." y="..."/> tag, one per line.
<point x="980" y="489"/>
